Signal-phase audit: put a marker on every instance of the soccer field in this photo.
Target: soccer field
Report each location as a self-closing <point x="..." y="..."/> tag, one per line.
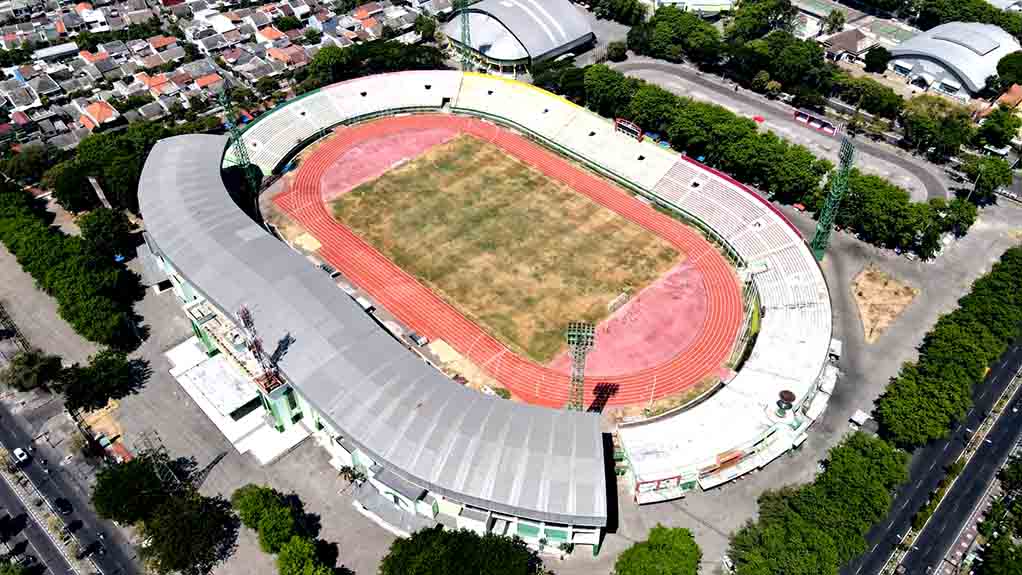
<point x="517" y="252"/>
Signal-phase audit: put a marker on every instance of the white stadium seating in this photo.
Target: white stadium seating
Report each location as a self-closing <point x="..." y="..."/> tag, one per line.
<point x="738" y="428"/>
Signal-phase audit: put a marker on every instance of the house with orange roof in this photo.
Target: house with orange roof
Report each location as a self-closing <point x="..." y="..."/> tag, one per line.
<point x="162" y="43"/>
<point x="212" y="82"/>
<point x="272" y="37"/>
<point x="291" y="56"/>
<point x="82" y="7"/>
<point x="92" y="57"/>
<point x="373" y="26"/>
<point x="98" y="114"/>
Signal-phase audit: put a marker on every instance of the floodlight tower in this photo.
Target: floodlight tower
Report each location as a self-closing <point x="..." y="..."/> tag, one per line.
<point x="466" y="36"/>
<point x="838" y="188"/>
<point x="581" y="337"/>
<point x="241" y="158"/>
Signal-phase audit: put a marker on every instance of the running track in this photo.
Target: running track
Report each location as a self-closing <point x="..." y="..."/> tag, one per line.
<point x="423" y="311"/>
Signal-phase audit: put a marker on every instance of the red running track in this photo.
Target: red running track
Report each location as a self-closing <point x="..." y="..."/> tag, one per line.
<point x="423" y="311"/>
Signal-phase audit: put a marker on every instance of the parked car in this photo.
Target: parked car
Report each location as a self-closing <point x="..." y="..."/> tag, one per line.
<point x="20" y="456"/>
<point x="419" y="339"/>
<point x="63" y="506"/>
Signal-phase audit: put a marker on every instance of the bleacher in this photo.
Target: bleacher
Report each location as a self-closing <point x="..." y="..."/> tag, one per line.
<point x="791" y="349"/>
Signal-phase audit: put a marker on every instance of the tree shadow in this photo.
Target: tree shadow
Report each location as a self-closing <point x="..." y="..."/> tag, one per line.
<point x="601" y="395"/>
<point x="309" y="524"/>
<point x="183" y="467"/>
<point x="12" y="525"/>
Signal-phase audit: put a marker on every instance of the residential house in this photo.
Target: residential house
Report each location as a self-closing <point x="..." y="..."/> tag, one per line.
<point x="291" y="56"/>
<point x="211" y="82"/>
<point x="162" y="43"/>
<point x="98" y="114"/>
<point x="270" y="36"/>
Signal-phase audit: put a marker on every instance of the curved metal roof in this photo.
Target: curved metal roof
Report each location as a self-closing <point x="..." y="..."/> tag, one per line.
<point x="496" y="454"/>
<point x="518" y="29"/>
<point x="968" y="50"/>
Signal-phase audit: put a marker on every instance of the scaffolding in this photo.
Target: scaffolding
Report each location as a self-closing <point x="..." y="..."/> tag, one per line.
<point x="838" y="188"/>
<point x="581" y="337"/>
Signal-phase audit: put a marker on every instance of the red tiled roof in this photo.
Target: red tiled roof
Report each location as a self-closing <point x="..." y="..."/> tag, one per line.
<point x="207" y="80"/>
<point x="82" y="6"/>
<point x="101" y="111"/>
<point x="87" y="122"/>
<point x="1012" y="97"/>
<point x="61" y="28"/>
<point x="369" y="23"/>
<point x="271" y="33"/>
<point x="158" y="42"/>
<point x="20" y="118"/>
<point x="91" y="57"/>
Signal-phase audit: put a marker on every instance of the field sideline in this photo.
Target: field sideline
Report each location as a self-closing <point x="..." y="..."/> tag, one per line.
<point x="519" y="253"/>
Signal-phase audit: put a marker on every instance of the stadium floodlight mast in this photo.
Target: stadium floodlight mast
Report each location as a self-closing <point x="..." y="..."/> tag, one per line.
<point x="581" y="337"/>
<point x="466" y="36"/>
<point x="241" y="158"/>
<point x="838" y="188"/>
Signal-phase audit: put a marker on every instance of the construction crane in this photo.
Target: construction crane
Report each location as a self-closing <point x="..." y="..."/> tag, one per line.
<point x="240" y="159"/>
<point x="466" y="36"/>
<point x="270" y="378"/>
<point x="838" y="188"/>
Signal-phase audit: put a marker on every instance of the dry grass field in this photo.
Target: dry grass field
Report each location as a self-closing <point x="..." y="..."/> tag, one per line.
<point x="517" y="252"/>
<point x="880" y="300"/>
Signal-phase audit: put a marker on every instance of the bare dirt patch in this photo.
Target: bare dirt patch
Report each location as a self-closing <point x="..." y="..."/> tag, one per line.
<point x="880" y="300"/>
<point x="517" y="252"/>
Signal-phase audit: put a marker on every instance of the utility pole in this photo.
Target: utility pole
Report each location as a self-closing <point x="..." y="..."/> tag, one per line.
<point x="838" y="188"/>
<point x="581" y="337"/>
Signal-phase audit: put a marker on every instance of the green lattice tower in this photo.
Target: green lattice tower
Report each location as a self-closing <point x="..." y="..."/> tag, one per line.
<point x="241" y="158"/>
<point x="466" y="37"/>
<point x="581" y="337"/>
<point x="838" y="187"/>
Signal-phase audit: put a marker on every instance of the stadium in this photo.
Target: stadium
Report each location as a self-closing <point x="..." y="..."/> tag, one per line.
<point x="399" y="177"/>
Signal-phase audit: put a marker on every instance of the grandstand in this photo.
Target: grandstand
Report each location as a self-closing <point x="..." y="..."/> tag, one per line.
<point x="740" y="427"/>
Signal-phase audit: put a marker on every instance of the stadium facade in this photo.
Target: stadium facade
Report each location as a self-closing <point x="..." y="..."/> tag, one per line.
<point x="507" y="36"/>
<point x="431" y="447"/>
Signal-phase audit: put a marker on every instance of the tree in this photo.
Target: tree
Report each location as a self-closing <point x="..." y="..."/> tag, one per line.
<point x="1010" y="475"/>
<point x="999" y="128"/>
<point x="297" y="557"/>
<point x="190" y="534"/>
<point x="667" y="551"/>
<point x="758" y="18"/>
<point x="425" y="27"/>
<point x="834" y="22"/>
<point x="109" y="375"/>
<point x="987" y="174"/>
<point x="627" y="12"/>
<point x="30" y="369"/>
<point x="277" y="526"/>
<point x="71" y="188"/>
<point x="617" y="51"/>
<point x="108" y="231"/>
<point x="1009" y="68"/>
<point x="288" y="23"/>
<point x="8" y="567"/>
<point x="936" y="126"/>
<point x="760" y="81"/>
<point x="130" y="492"/>
<point x="435" y="551"/>
<point x="312" y="37"/>
<point x="607" y="91"/>
<point x="252" y="502"/>
<point x="877" y="59"/>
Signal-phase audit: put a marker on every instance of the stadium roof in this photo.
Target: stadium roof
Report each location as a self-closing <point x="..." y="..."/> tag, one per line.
<point x="496" y="454"/>
<point x="519" y="29"/>
<point x="968" y="50"/>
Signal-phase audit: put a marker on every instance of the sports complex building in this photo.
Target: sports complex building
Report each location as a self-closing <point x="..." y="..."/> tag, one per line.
<point x="432" y="447"/>
<point x="509" y="35"/>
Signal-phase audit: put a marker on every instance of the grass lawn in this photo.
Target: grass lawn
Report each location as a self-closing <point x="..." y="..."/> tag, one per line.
<point x="517" y="252"/>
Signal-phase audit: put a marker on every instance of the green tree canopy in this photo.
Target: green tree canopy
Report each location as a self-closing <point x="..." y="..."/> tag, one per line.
<point x="628" y="12"/>
<point x="277" y="526"/>
<point x="936" y="126"/>
<point x="71" y="188"/>
<point x="608" y="92"/>
<point x="297" y="556"/>
<point x="8" y="567"/>
<point x="987" y="174"/>
<point x="287" y="23"/>
<point x="130" y="492"/>
<point x="877" y="59"/>
<point x="252" y="502"/>
<point x="667" y="551"/>
<point x="332" y="64"/>
<point x="189" y="534"/>
<point x="31" y="369"/>
<point x="757" y="18"/>
<point x="109" y="375"/>
<point x="107" y="231"/>
<point x="425" y="27"/>
<point x="834" y="22"/>
<point x="1009" y="68"/>
<point x="999" y="127"/>
<point x="436" y="551"/>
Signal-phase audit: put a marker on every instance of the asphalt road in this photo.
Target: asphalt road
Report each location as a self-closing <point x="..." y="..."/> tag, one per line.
<point x="116" y="559"/>
<point x="927" y="469"/>
<point x="29" y="539"/>
<point x="780" y="113"/>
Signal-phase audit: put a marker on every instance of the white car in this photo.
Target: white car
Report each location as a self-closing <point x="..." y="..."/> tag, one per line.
<point x="20" y="456"/>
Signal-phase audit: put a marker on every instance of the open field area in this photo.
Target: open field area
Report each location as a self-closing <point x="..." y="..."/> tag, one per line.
<point x="880" y="300"/>
<point x="516" y="251"/>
